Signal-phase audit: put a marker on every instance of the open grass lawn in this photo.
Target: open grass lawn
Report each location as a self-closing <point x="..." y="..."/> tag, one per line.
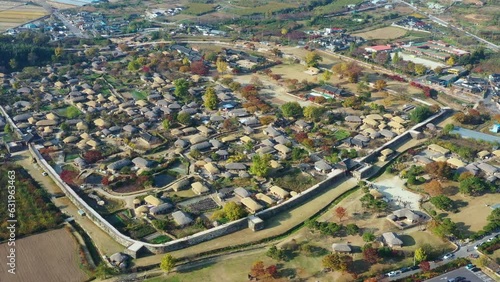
<point x="472" y="217"/>
<point x="139" y="95"/>
<point x="69" y="112"/>
<point x="160" y="239"/>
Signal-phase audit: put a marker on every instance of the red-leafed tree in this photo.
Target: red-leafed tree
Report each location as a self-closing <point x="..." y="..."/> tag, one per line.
<point x="272" y="270"/>
<point x="105" y="181"/>
<point x="370" y="254"/>
<point x="340" y="212"/>
<point x="425" y="266"/>
<point x="92" y="156"/>
<point x="199" y="68"/>
<point x="68" y="176"/>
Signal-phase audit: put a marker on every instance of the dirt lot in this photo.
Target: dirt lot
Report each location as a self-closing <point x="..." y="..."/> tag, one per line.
<point x="389" y="32"/>
<point x="49" y="256"/>
<point x="13" y="14"/>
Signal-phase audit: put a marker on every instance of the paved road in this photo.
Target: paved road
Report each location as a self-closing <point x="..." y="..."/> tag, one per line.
<point x="463" y="251"/>
<point x="76" y="31"/>
<point x="478" y="276"/>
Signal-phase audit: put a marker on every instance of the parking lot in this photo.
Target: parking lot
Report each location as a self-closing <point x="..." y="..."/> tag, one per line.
<point x="478" y="276"/>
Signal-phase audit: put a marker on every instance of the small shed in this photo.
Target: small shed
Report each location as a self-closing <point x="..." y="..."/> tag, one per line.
<point x="181" y="218"/>
<point x="341" y="248"/>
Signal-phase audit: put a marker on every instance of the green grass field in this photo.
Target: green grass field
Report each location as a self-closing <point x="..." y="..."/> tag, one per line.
<point x="270" y="7"/>
<point x="335" y="6"/>
<point x="198" y="9"/>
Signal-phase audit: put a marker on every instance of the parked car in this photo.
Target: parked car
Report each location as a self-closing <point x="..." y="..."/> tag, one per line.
<point x="405" y="269"/>
<point x="415" y="267"/>
<point x="394" y="273"/>
<point x="44" y="173"/>
<point x="459" y="278"/>
<point x="477" y="246"/>
<point x="448" y="256"/>
<point x="493" y="238"/>
<point x="470" y="266"/>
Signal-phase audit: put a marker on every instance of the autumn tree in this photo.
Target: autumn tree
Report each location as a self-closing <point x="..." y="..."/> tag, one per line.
<point x="337" y="262"/>
<point x="434" y="187"/>
<point x="221" y="65"/>
<point x="210" y="99"/>
<point x="92" y="156"/>
<point x="199" y="68"/>
<point x="420" y="255"/>
<point x="167" y="263"/>
<point x="438" y="169"/>
<point x="380" y="84"/>
<point x="340" y="213"/>
<point x="260" y="272"/>
<point x="312" y="59"/>
<point x="420" y="69"/>
<point x="370" y="254"/>
<point x="425" y="266"/>
<point x="450" y="61"/>
<point x="326" y="75"/>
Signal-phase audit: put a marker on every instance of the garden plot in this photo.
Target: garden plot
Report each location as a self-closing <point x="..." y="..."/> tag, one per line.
<point x="393" y="189"/>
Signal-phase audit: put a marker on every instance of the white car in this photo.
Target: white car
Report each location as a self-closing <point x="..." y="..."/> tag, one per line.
<point x="477" y="246"/>
<point x="448" y="256"/>
<point x="394" y="273"/>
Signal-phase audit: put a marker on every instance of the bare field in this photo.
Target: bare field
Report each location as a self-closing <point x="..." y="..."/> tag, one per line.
<point x="49" y="256"/>
<point x="389" y="32"/>
<point x="14" y="14"/>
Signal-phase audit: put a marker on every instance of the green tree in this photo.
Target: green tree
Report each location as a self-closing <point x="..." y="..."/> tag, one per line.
<point x="312" y="59"/>
<point x="181" y="88"/>
<point x="419" y="255"/>
<point x="103" y="271"/>
<point x="167" y="263"/>
<point x="443" y="202"/>
<point x="260" y="165"/>
<point x="277" y="254"/>
<point x="210" y="99"/>
<point x="184" y="118"/>
<point x="368" y="236"/>
<point x="352" y="229"/>
<point x="292" y="110"/>
<point x="7" y="128"/>
<point x="448" y="128"/>
<point x="473" y="186"/>
<point x="133" y="65"/>
<point x="420" y="113"/>
<point x="166" y="124"/>
<point x="313" y="113"/>
<point x="13" y="63"/>
<point x="396" y="58"/>
<point x="91" y="52"/>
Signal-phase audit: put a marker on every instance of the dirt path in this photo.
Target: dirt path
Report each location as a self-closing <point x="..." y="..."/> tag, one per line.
<point x="102" y="240"/>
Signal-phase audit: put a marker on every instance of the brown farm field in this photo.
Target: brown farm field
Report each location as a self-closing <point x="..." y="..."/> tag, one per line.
<point x="49" y="256"/>
<point x="389" y="32"/>
<point x="13" y="14"/>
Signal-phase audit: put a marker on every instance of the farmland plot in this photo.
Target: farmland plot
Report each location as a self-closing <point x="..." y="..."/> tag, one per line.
<point x="13" y="14"/>
<point x="49" y="256"/>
